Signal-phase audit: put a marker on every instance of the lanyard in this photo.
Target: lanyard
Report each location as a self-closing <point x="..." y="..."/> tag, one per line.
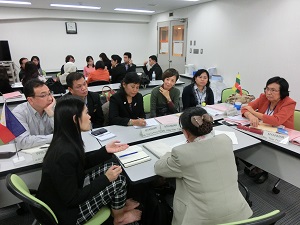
<point x="199" y="98"/>
<point x="270" y="112"/>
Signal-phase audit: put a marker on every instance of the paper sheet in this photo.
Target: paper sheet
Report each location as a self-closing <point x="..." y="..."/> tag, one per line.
<point x="229" y="134"/>
<point x="169" y="119"/>
<point x="149" y="123"/>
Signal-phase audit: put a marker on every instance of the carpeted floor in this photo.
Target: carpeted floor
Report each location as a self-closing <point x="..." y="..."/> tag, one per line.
<point x="261" y="195"/>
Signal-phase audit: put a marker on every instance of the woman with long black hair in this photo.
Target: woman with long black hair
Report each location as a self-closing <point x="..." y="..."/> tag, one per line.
<point x="74" y="195"/>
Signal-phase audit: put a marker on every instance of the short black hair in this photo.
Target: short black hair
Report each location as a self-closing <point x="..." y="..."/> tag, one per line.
<point x="30" y="85"/>
<point x="116" y="58"/>
<point x="128" y="54"/>
<point x="99" y="65"/>
<point x="153" y="57"/>
<point x="73" y="76"/>
<point x="131" y="77"/>
<point x="170" y="73"/>
<point x="283" y="84"/>
<point x="198" y="73"/>
<point x="21" y="60"/>
<point x="68" y="57"/>
<point x="186" y="123"/>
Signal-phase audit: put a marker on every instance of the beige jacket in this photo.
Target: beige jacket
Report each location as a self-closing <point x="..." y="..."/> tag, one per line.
<point x="206" y="182"/>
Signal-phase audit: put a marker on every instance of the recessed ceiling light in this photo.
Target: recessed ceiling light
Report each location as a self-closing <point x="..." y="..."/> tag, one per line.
<point x="134" y="10"/>
<point x="75" y="6"/>
<point x="15" y="2"/>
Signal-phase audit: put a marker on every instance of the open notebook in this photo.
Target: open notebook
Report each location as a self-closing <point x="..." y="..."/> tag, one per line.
<point x="132" y="156"/>
<point x="157" y="148"/>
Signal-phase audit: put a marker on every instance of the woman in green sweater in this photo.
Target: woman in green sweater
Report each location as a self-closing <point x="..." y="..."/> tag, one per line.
<point x="165" y="98"/>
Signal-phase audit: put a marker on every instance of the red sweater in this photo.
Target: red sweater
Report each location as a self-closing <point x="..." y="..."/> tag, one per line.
<point x="98" y="75"/>
<point x="282" y="115"/>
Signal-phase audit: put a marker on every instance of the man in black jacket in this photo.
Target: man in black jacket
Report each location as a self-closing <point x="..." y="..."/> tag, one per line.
<point x="78" y="87"/>
<point x="154" y="67"/>
<point x="129" y="66"/>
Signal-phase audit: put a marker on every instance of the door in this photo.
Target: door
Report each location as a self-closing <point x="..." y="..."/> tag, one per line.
<point x="172" y="44"/>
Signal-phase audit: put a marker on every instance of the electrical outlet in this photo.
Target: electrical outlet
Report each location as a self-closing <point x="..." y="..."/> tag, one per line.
<point x="201" y="51"/>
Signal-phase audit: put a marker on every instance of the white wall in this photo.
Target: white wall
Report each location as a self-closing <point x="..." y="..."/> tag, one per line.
<point x="43" y="33"/>
<point x="257" y="38"/>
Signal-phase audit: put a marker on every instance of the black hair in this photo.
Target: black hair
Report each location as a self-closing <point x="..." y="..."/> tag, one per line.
<point x="88" y="59"/>
<point x="104" y="57"/>
<point x="186" y="123"/>
<point x="3" y="74"/>
<point x="73" y="76"/>
<point x="116" y="58"/>
<point x="31" y="72"/>
<point x="153" y="57"/>
<point x="198" y="73"/>
<point x="128" y="54"/>
<point x="99" y="65"/>
<point x="131" y="77"/>
<point x="68" y="108"/>
<point x="170" y="73"/>
<point x="21" y="60"/>
<point x="283" y="84"/>
<point x="36" y="57"/>
<point x="68" y="57"/>
<point x="30" y="85"/>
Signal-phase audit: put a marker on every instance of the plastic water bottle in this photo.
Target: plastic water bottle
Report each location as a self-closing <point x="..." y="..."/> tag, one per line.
<point x="153" y="75"/>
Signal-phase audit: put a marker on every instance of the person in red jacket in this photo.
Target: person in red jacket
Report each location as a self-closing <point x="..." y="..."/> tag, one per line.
<point x="273" y="107"/>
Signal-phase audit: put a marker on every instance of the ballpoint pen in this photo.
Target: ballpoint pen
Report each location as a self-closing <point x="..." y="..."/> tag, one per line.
<point x="121" y="156"/>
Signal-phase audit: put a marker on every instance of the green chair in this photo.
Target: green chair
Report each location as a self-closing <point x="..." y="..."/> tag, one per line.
<point x="267" y="219"/>
<point x="146" y="100"/>
<point x="228" y="91"/>
<point x="297" y="120"/>
<point x="42" y="212"/>
<point x="297" y="127"/>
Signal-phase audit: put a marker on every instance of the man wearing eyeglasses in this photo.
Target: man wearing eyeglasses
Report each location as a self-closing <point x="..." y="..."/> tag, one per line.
<point x="36" y="115"/>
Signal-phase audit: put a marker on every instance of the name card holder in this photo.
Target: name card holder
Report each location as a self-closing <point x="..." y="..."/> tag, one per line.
<point x="38" y="156"/>
<point x="276" y="137"/>
<point x="149" y="131"/>
<point x="170" y="127"/>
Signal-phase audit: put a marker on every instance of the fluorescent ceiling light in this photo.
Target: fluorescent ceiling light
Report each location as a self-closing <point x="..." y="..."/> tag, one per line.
<point x="15" y="2"/>
<point x="75" y="6"/>
<point x="191" y="0"/>
<point x="134" y="10"/>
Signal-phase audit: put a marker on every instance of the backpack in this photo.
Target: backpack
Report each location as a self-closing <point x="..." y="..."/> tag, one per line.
<point x="156" y="209"/>
<point x="144" y="80"/>
<point x="55" y="87"/>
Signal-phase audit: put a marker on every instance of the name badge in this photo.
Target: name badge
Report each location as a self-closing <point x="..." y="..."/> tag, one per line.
<point x="276" y="137"/>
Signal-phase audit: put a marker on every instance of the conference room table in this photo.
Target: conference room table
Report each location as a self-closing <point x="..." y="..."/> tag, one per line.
<point x="281" y="160"/>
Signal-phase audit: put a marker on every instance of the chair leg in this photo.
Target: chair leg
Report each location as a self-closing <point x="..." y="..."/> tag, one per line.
<point x="247" y="197"/>
<point x="22" y="209"/>
<point x="275" y="189"/>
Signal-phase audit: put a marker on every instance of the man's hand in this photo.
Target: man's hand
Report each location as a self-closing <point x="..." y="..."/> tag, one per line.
<point x="50" y="108"/>
<point x="145" y="63"/>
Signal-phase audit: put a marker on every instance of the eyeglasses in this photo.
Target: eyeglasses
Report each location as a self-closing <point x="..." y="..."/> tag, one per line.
<point x="272" y="90"/>
<point x="43" y="95"/>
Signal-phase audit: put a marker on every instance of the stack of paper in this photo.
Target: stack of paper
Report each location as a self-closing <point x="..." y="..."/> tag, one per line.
<point x="294" y="136"/>
<point x="237" y="120"/>
<point x="149" y="123"/>
<point x="132" y="156"/>
<point x="169" y="119"/>
<point x="37" y="153"/>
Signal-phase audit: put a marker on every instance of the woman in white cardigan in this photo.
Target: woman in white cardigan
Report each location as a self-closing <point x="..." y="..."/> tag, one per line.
<point x="206" y="176"/>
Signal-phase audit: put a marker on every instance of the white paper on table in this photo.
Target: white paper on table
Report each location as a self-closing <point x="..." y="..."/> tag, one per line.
<point x="213" y="112"/>
<point x="149" y="123"/>
<point x="229" y="134"/>
<point x="103" y="137"/>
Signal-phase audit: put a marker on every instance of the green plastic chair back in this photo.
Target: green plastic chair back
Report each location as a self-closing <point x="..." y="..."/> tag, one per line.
<point x="146" y="100"/>
<point x="228" y="91"/>
<point x="297" y="120"/>
<point x="266" y="219"/>
<point x="17" y="186"/>
<point x="44" y="72"/>
<point x="58" y="74"/>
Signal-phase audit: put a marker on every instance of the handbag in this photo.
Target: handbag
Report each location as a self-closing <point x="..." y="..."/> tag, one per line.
<point x="106" y="93"/>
